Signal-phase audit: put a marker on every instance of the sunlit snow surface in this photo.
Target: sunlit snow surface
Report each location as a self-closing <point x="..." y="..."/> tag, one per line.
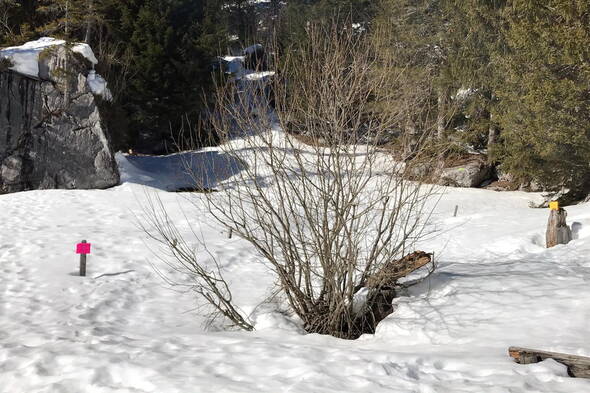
<point x="25" y="58"/>
<point x="122" y="329"/>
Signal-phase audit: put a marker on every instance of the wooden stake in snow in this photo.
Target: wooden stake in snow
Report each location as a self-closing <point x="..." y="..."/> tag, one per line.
<point x="557" y="230"/>
<point x="456" y="209"/>
<point x="577" y="366"/>
<point x="83" y="249"/>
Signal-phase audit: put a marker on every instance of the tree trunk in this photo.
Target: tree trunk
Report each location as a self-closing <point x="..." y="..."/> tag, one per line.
<point x="492" y="137"/>
<point x="440" y="117"/>
<point x="492" y="133"/>
<point x="411" y="140"/>
<point x="89" y="22"/>
<point x="557" y="230"/>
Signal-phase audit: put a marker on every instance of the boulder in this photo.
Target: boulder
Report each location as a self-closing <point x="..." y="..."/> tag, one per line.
<point x="51" y="131"/>
<point x="471" y="173"/>
<point x="255" y="58"/>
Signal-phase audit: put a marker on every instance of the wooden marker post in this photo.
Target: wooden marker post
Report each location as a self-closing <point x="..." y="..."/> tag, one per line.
<point x="456" y="210"/>
<point x="557" y="230"/>
<point x="83" y="249"/>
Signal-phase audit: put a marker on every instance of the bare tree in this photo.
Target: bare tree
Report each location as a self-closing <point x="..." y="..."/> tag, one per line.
<point x="7" y="7"/>
<point x="333" y="212"/>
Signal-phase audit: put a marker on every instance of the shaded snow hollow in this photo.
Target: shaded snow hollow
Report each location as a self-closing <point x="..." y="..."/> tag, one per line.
<point x="122" y="329"/>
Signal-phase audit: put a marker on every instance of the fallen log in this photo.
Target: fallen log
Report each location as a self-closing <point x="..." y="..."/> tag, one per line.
<point x="394" y="270"/>
<point x="577" y="366"/>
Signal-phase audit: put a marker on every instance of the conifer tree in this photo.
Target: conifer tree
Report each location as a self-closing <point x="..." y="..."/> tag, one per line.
<point x="298" y="14"/>
<point x="16" y="21"/>
<point x="67" y="19"/>
<point x="415" y="34"/>
<point x="173" y="43"/>
<point x="545" y="93"/>
<point x="474" y="37"/>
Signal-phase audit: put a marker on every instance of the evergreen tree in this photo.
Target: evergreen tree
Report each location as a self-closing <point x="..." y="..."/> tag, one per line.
<point x="413" y="36"/>
<point x="16" y="21"/>
<point x="67" y="19"/>
<point x="474" y="37"/>
<point x="172" y="44"/>
<point x="298" y="14"/>
<point x="545" y="93"/>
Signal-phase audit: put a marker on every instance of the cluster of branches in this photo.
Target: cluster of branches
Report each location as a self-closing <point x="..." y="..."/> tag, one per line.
<point x="329" y="215"/>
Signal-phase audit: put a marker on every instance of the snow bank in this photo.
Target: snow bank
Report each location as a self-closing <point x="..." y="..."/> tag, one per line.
<point x="250" y="50"/>
<point x="25" y="58"/>
<point x="259" y="76"/>
<point x="234" y="64"/>
<point x="98" y="85"/>
<point x="122" y="330"/>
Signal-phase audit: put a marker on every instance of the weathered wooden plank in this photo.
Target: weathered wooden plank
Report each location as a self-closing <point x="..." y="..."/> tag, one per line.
<point x="577" y="366"/>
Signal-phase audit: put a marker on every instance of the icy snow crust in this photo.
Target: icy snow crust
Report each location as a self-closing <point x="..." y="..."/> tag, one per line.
<point x="122" y="329"/>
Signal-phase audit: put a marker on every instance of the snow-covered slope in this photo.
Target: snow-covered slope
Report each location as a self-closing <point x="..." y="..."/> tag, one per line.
<point x="122" y="329"/>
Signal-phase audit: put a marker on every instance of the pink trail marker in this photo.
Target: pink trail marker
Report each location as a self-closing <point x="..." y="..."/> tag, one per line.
<point x="83" y="248"/>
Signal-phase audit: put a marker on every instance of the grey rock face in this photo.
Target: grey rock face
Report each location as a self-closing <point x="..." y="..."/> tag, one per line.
<point x="51" y="134"/>
<point x="470" y="174"/>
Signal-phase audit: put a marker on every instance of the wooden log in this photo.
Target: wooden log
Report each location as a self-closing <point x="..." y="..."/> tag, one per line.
<point x="557" y="230"/>
<point x="577" y="366"/>
<point x="395" y="270"/>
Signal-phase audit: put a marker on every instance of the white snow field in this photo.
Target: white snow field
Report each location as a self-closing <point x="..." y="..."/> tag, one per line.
<point x="122" y="328"/>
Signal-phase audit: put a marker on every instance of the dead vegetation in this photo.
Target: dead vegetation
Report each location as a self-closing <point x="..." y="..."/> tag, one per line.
<point x="335" y="219"/>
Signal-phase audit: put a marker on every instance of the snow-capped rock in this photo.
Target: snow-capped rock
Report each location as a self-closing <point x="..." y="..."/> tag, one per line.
<point x="51" y="131"/>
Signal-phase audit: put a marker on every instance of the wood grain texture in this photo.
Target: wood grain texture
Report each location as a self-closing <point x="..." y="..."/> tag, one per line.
<point x="577" y="366"/>
<point x="557" y="230"/>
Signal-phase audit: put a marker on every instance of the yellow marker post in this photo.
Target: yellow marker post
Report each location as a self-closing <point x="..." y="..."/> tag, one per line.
<point x="554" y="205"/>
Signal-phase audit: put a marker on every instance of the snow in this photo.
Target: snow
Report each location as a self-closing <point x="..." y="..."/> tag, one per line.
<point x="98" y="85"/>
<point x="235" y="64"/>
<point x="123" y="329"/>
<point x="464" y="93"/>
<point x="25" y="58"/>
<point x="253" y="49"/>
<point x="235" y="68"/>
<point x="260" y="75"/>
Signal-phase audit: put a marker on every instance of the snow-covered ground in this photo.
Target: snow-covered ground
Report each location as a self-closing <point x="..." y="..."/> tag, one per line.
<point x="122" y="328"/>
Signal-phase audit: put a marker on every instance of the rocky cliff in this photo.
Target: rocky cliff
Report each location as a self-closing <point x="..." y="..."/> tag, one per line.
<point x="51" y="133"/>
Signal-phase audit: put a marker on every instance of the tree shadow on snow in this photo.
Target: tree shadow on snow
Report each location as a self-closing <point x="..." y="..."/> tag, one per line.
<point x="180" y="171"/>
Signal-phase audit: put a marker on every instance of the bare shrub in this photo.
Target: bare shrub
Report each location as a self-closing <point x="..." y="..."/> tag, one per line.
<point x="181" y="255"/>
<point x="334" y="218"/>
